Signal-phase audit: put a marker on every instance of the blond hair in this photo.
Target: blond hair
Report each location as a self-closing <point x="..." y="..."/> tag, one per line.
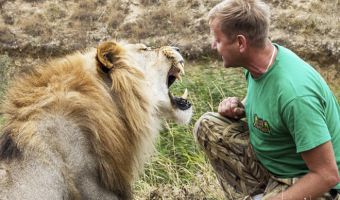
<point x="247" y="17"/>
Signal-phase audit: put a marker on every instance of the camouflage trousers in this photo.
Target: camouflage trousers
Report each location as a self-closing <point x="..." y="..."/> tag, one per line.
<point x="226" y="144"/>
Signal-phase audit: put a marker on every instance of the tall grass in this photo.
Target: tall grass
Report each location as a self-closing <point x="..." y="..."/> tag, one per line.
<point x="179" y="163"/>
<point x="1" y="120"/>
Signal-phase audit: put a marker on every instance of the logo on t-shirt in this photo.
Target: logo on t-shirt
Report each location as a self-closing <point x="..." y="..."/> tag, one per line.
<point x="261" y="124"/>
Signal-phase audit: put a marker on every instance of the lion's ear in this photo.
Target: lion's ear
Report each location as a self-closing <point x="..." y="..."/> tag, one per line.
<point x="107" y="54"/>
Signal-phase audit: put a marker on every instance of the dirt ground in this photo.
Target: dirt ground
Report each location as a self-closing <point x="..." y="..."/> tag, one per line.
<point x="32" y="31"/>
<point x="40" y="29"/>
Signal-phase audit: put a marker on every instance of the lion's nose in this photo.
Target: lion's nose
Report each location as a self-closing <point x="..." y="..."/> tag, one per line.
<point x="176" y="49"/>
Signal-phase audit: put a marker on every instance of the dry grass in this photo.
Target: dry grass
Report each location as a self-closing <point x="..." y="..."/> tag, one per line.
<point x="8" y="19"/>
<point x="36" y="26"/>
<point x="163" y="19"/>
<point x="115" y="16"/>
<point x="309" y="18"/>
<point x="149" y="2"/>
<point x="34" y="1"/>
<point x="55" y="12"/>
<point x="86" y="12"/>
<point x="6" y="36"/>
<point x="69" y="25"/>
<point x="170" y="23"/>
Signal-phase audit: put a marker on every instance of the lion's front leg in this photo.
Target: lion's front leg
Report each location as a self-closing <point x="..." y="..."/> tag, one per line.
<point x="91" y="189"/>
<point x="33" y="179"/>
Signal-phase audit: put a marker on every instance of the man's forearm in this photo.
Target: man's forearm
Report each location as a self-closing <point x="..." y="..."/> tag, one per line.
<point x="310" y="186"/>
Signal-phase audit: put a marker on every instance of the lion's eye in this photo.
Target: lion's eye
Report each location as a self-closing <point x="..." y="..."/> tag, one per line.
<point x="145" y="48"/>
<point x="142" y="47"/>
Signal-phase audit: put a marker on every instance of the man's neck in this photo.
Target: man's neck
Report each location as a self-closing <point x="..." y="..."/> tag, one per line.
<point x="260" y="59"/>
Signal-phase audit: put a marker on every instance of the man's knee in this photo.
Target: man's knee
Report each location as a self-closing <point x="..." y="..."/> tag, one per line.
<point x="201" y="126"/>
<point x="212" y="128"/>
<point x="209" y="128"/>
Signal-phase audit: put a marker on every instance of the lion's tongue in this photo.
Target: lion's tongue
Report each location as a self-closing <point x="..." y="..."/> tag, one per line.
<point x="181" y="103"/>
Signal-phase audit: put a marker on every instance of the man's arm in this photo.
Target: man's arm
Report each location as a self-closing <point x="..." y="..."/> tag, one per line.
<point x="322" y="176"/>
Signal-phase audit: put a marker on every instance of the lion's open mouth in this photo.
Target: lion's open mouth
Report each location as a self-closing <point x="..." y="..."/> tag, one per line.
<point x="175" y="73"/>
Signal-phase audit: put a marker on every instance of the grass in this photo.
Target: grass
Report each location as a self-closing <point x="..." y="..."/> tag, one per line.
<point x="162" y="18"/>
<point x="5" y="70"/>
<point x="5" y="63"/>
<point x="336" y="91"/>
<point x="179" y="163"/>
<point x="1" y="120"/>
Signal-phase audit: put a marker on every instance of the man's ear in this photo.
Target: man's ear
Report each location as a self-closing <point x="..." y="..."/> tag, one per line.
<point x="107" y="54"/>
<point x="242" y="43"/>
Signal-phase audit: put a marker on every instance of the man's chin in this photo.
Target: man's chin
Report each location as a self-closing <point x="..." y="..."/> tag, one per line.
<point x="226" y="65"/>
<point x="229" y="66"/>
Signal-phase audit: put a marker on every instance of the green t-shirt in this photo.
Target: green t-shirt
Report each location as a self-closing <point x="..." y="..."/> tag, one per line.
<point x="290" y="109"/>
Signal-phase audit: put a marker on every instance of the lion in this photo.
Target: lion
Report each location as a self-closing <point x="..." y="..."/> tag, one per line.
<point x="82" y="126"/>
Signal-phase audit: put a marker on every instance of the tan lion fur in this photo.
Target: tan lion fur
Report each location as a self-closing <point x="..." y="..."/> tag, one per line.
<point x="114" y="112"/>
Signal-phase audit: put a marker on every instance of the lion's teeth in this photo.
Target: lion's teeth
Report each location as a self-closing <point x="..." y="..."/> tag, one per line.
<point x="180" y="66"/>
<point x="185" y="95"/>
<point x="178" y="77"/>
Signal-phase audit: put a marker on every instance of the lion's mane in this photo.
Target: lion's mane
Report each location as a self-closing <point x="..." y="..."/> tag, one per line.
<point x="112" y="110"/>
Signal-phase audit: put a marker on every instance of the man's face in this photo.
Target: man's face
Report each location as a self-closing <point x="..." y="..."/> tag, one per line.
<point x="226" y="47"/>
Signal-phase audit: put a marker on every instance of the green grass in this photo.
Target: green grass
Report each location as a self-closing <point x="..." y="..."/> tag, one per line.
<point x="336" y="91"/>
<point x="5" y="63"/>
<point x="2" y="120"/>
<point x="179" y="162"/>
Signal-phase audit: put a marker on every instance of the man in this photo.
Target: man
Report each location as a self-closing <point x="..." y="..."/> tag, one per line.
<point x="289" y="146"/>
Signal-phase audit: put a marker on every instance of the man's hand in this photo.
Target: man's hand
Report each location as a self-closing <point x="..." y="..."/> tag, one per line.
<point x="231" y="107"/>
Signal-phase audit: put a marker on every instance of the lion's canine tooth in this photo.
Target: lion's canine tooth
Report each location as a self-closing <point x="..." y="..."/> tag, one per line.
<point x="178" y="76"/>
<point x="180" y="66"/>
<point x="185" y="95"/>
